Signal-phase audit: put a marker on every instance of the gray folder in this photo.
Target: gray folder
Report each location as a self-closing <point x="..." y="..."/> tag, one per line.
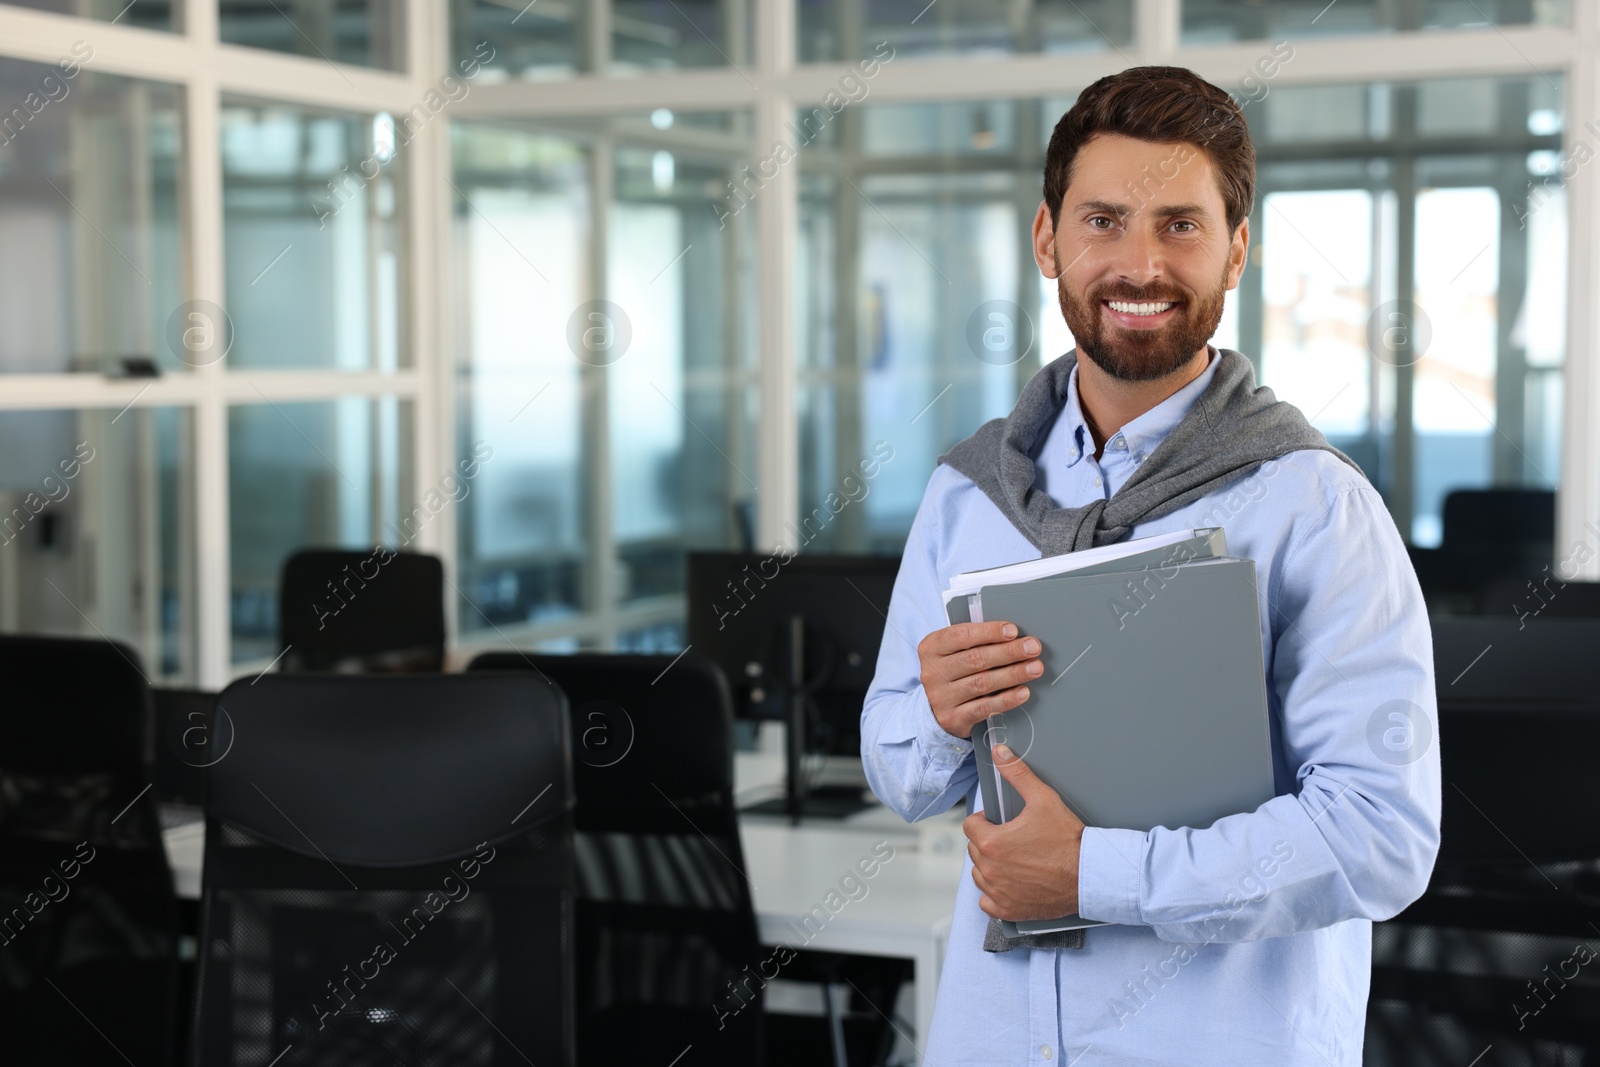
<point x="1152" y="708"/>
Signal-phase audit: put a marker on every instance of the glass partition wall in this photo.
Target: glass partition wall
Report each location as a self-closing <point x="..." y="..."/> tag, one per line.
<point x="211" y="337"/>
<point x="922" y="311"/>
<point x="603" y="335"/>
<point x="562" y="292"/>
<point x="1410" y="290"/>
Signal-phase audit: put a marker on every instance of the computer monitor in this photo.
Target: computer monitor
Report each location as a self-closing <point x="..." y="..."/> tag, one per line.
<point x="798" y="641"/>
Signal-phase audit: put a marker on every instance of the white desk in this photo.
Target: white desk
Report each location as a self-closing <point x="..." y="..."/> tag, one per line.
<point x="186" y="846"/>
<point x="904" y="914"/>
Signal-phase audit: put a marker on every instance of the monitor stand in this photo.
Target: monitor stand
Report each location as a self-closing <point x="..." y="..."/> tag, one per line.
<point x="798" y="801"/>
<point x="819" y="802"/>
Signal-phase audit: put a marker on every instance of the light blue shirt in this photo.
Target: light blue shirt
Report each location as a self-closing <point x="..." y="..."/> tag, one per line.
<point x="1250" y="941"/>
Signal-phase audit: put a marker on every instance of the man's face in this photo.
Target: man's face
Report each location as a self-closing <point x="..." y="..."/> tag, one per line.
<point x="1141" y="254"/>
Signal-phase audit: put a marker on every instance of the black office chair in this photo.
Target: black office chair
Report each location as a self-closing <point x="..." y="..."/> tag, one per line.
<point x="1502" y="659"/>
<point x="372" y="611"/>
<point x="88" y="918"/>
<point x="1487" y="535"/>
<point x="388" y="875"/>
<point x="1541" y="596"/>
<point x="1517" y="881"/>
<point x="667" y="940"/>
<point x="1500" y="526"/>
<point x="185" y="743"/>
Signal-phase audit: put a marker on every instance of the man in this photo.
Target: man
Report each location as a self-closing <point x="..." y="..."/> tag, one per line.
<point x="1249" y="941"/>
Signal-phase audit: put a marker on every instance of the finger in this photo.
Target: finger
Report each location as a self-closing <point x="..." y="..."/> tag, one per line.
<point x="996" y="679"/>
<point x="1021" y="776"/>
<point x="976" y="672"/>
<point x="973" y="712"/>
<point x="981" y="880"/>
<point x="971" y="664"/>
<point x="963" y="635"/>
<point x="989" y="907"/>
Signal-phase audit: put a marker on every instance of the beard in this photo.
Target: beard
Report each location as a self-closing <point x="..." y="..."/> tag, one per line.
<point x="1141" y="355"/>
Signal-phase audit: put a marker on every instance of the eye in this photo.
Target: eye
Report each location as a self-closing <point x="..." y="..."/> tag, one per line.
<point x="1095" y="220"/>
<point x="1185" y="222"/>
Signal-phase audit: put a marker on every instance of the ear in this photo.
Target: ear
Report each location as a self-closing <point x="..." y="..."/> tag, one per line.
<point x="1238" y="252"/>
<point x="1044" y="241"/>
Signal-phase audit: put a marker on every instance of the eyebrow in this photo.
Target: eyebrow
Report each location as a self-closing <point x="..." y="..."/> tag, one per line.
<point x="1121" y="210"/>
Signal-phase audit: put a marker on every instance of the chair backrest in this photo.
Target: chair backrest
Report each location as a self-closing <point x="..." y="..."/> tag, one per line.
<point x="388" y="873"/>
<point x="88" y="917"/>
<point x="374" y="610"/>
<point x="79" y="706"/>
<point x="1541" y="596"/>
<point x="1532" y="661"/>
<point x="186" y="742"/>
<point x="667" y="934"/>
<point x="1519" y="719"/>
<point x="1511" y="894"/>
<point x="1446" y="976"/>
<point x="1498" y="531"/>
<point x="1509" y="766"/>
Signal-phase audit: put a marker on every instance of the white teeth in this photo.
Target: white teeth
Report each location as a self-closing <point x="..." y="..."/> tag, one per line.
<point x="1138" y="309"/>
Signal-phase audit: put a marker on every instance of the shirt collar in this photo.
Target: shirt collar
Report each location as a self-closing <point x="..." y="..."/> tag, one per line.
<point x="1142" y="435"/>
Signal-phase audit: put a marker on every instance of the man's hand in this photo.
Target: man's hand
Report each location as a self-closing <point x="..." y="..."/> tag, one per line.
<point x="1026" y="868"/>
<point x="975" y="669"/>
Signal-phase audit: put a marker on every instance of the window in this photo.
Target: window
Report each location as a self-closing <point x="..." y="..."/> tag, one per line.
<point x="149" y="14"/>
<point x="1435" y="385"/>
<point x="361" y="32"/>
<point x="88" y="217"/>
<point x="311" y="226"/>
<point x="914" y="254"/>
<point x="920" y="312"/>
<point x="95" y="529"/>
<point x="851" y="29"/>
<point x="1209" y="21"/>
<point x="319" y="474"/>
<point x="554" y="40"/>
<point x="612" y="378"/>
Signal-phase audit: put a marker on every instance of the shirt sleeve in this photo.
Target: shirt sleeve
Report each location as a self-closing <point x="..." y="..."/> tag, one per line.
<point x="1352" y="667"/>
<point x="913" y="765"/>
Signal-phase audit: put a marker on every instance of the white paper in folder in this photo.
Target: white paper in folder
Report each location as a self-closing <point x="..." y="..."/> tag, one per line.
<point x="970" y="583"/>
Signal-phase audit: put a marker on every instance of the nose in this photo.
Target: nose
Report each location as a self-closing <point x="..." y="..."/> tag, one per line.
<point x="1140" y="257"/>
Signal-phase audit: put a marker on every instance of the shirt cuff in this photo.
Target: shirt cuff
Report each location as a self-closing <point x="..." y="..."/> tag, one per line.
<point x="1110" y="871"/>
<point x="939" y="745"/>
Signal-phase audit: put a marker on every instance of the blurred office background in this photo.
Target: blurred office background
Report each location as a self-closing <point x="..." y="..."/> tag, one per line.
<point x="535" y="288"/>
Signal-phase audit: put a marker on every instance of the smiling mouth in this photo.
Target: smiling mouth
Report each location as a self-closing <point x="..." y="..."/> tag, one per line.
<point x="1142" y="307"/>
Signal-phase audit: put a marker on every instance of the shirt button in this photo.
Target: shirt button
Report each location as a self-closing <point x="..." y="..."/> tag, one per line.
<point x="1097" y="481"/>
<point x="1044" y="1050"/>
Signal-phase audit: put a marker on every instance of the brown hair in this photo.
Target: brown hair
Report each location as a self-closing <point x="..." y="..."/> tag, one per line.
<point x="1165" y="105"/>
